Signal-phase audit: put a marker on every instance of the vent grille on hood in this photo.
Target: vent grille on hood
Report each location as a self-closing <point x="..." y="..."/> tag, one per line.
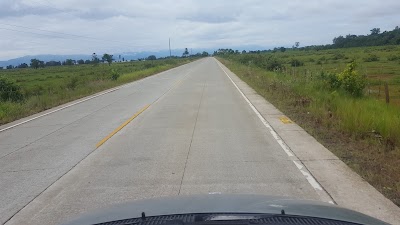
<point x="199" y="219"/>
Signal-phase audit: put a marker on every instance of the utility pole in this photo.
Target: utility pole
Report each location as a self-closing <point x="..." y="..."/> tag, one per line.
<point x="169" y="40"/>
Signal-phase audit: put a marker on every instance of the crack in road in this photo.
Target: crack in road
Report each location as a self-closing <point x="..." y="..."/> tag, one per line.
<point x="191" y="141"/>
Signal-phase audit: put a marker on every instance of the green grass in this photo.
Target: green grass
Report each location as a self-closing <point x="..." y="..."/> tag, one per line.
<point x="335" y="60"/>
<point x="363" y="131"/>
<point x="48" y="87"/>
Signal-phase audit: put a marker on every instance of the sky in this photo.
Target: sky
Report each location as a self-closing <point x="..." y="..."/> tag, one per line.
<point x="33" y="27"/>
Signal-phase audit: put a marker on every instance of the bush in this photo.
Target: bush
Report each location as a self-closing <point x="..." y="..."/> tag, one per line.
<point x="273" y="64"/>
<point x="114" y="74"/>
<point x="371" y="58"/>
<point x="337" y="56"/>
<point x="9" y="91"/>
<point x="393" y="57"/>
<point x="72" y="83"/>
<point x="352" y="81"/>
<point x="296" y="62"/>
<point x="333" y="80"/>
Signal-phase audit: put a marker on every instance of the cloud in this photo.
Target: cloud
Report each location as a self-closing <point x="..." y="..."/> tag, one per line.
<point x="138" y="25"/>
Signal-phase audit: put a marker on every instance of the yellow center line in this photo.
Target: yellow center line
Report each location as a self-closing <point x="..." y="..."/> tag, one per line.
<point x="121" y="126"/>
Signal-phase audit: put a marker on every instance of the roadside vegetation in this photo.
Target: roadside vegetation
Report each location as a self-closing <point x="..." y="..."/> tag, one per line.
<point x="25" y="91"/>
<point x="339" y="97"/>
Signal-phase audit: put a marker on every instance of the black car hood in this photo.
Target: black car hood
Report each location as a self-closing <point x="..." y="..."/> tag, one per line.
<point x="223" y="204"/>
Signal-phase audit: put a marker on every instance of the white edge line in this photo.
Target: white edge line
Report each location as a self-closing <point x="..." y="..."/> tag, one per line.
<point x="313" y="182"/>
<point x="84" y="100"/>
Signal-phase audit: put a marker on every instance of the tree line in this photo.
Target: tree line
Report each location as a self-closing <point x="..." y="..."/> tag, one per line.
<point x="36" y="63"/>
<point x="375" y="38"/>
<point x="106" y="58"/>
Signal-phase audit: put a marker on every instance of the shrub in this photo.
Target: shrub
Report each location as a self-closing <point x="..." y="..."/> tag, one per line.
<point x="333" y="80"/>
<point x="72" y="83"/>
<point x="393" y="57"/>
<point x="273" y="64"/>
<point x="351" y="80"/>
<point x="296" y="62"/>
<point x="148" y="65"/>
<point x="371" y="58"/>
<point x="114" y="74"/>
<point x="9" y="91"/>
<point x="337" y="56"/>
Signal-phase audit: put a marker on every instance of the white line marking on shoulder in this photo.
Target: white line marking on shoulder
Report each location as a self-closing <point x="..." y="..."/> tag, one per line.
<point x="313" y="182"/>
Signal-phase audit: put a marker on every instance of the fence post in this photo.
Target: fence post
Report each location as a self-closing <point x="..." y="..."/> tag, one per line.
<point x="387" y="92"/>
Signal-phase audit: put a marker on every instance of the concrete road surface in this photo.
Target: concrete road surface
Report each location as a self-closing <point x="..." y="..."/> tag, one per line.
<point x="200" y="130"/>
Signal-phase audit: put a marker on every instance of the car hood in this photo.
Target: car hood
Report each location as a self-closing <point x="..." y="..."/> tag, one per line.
<point x="217" y="203"/>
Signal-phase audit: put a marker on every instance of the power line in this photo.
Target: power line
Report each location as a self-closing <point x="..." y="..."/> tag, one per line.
<point x="28" y="32"/>
<point x="55" y="32"/>
<point x="109" y="43"/>
<point x="50" y="5"/>
<point x="60" y="46"/>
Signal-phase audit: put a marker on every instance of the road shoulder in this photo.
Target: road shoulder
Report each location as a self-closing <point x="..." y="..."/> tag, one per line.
<point x="344" y="186"/>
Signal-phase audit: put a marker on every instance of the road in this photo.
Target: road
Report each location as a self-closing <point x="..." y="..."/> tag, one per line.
<point x="192" y="130"/>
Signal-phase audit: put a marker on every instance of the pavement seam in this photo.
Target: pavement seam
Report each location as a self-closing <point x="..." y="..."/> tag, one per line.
<point x="191" y="140"/>
<point x="174" y="85"/>
<point x="89" y="153"/>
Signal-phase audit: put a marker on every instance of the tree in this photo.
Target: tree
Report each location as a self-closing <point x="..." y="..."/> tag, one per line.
<point x="185" y="53"/>
<point x="53" y="63"/>
<point x="244" y="52"/>
<point x="88" y="61"/>
<point x="10" y="67"/>
<point x="35" y="63"/>
<point x="282" y="49"/>
<point x="69" y="62"/>
<point x="151" y="57"/>
<point x="375" y="31"/>
<point x="204" y="54"/>
<point x="108" y="58"/>
<point x="80" y="62"/>
<point x="23" y="65"/>
<point x="296" y="45"/>
<point x="95" y="59"/>
<point x="41" y="64"/>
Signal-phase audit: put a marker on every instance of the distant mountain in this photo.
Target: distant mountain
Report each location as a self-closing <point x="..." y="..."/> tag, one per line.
<point x="117" y="56"/>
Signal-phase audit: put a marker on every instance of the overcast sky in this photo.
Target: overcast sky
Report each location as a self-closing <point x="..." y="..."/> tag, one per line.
<point x="132" y="25"/>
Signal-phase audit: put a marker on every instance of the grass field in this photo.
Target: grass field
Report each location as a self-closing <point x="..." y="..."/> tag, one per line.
<point x="386" y="68"/>
<point x="363" y="131"/>
<point x="48" y="87"/>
